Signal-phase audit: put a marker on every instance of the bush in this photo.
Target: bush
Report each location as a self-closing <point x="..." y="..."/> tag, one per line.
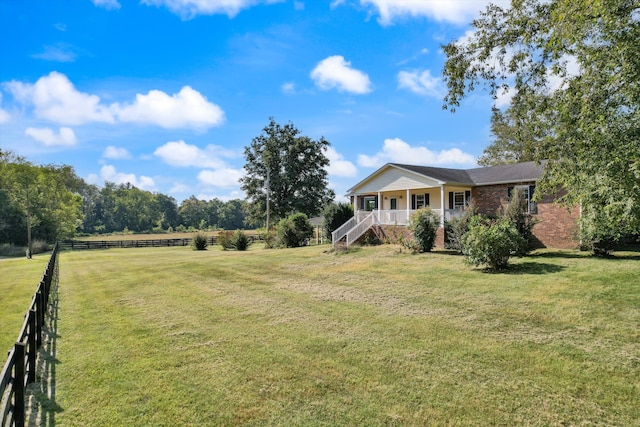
<point x="294" y="231"/>
<point x="458" y="227"/>
<point x="240" y="241"/>
<point x="199" y="242"/>
<point x="225" y="240"/>
<point x="269" y="238"/>
<point x="424" y="226"/>
<point x="334" y="216"/>
<point x="492" y="242"/>
<point x="517" y="212"/>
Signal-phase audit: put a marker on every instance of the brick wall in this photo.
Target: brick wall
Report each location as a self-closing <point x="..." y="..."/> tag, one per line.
<point x="556" y="228"/>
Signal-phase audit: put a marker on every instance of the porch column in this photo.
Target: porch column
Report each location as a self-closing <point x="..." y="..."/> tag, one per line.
<point x="442" y="204"/>
<point x="379" y="205"/>
<point x="355" y="205"/>
<point x="408" y="204"/>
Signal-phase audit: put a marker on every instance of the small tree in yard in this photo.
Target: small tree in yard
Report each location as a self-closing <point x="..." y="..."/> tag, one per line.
<point x="294" y="231"/>
<point x="335" y="214"/>
<point x="492" y="242"/>
<point x="424" y="226"/>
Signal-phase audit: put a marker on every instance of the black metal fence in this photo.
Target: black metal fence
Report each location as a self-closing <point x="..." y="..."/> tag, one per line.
<point x="20" y="368"/>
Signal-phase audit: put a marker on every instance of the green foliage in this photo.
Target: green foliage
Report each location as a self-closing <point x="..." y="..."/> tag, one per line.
<point x="269" y="238"/>
<point x="424" y="224"/>
<point x="296" y="168"/>
<point x="199" y="242"/>
<point x="458" y="226"/>
<point x="335" y="214"/>
<point x="240" y="241"/>
<point x="294" y="231"/>
<point x="491" y="243"/>
<point x="225" y="240"/>
<point x="517" y="211"/>
<point x="574" y="70"/>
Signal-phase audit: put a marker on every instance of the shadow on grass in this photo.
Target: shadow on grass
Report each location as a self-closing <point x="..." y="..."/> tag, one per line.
<point x="42" y="406"/>
<point x="532" y="267"/>
<point x="615" y="256"/>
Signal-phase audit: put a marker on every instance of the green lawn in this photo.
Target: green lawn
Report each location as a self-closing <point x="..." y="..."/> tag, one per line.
<point x="19" y="280"/>
<point x="169" y="336"/>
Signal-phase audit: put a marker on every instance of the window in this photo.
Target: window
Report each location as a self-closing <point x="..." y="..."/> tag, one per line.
<point x="527" y="193"/>
<point x="458" y="200"/>
<point x="394" y="203"/>
<point x="370" y="203"/>
<point x="419" y="201"/>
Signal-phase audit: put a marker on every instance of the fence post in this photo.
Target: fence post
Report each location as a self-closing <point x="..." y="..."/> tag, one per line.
<point x="18" y="385"/>
<point x="32" y="347"/>
<point x="39" y="316"/>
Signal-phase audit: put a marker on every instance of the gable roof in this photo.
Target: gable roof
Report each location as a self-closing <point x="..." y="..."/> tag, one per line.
<point x="502" y="174"/>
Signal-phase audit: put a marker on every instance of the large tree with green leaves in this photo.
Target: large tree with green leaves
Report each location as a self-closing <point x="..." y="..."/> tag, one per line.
<point x="291" y="167"/>
<point x="40" y="202"/>
<point x="574" y="69"/>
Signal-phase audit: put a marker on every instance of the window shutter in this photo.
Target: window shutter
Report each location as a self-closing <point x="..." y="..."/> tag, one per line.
<point x="509" y="191"/>
<point x="361" y="203"/>
<point x="426" y="199"/>
<point x="467" y="197"/>
<point x="450" y="199"/>
<point x="413" y="201"/>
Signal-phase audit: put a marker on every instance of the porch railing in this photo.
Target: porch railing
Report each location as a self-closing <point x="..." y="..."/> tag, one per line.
<point x="342" y="231"/>
<point x="402" y="216"/>
<point x="357" y="231"/>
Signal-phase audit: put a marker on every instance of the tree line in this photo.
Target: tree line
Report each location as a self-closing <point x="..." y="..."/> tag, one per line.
<point x="50" y="202"/>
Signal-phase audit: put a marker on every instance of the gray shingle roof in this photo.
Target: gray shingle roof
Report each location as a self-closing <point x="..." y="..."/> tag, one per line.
<point x="518" y="172"/>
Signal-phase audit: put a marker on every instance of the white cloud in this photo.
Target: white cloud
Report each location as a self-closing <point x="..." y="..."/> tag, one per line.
<point x="397" y="151"/>
<point x="56" y="99"/>
<point x="65" y="136"/>
<point x="116" y="153"/>
<point x="188" y="9"/>
<point x="288" y="88"/>
<point x="421" y="83"/>
<point x="179" y="153"/>
<point x="109" y="173"/>
<point x="221" y="177"/>
<point x="454" y="11"/>
<point x="336" y="73"/>
<point x="4" y="114"/>
<point x="107" y="4"/>
<point x="338" y="166"/>
<point x="188" y="108"/>
<point x="60" y="52"/>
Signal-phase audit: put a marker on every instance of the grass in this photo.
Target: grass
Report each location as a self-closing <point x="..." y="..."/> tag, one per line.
<point x="169" y="336"/>
<point x="19" y="280"/>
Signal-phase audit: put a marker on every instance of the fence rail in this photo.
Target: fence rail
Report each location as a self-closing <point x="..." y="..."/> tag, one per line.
<point x="148" y="243"/>
<point x="20" y="367"/>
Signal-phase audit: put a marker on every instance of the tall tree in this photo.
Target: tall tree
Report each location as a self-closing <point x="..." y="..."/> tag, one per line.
<point x="574" y="67"/>
<point x="291" y="167"/>
<point x="46" y="197"/>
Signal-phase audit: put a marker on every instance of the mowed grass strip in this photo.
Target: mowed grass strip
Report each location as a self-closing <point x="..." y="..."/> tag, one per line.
<point x="169" y="336"/>
<point x="19" y="280"/>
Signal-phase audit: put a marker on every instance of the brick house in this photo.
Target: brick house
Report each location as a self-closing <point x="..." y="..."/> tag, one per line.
<point x="385" y="200"/>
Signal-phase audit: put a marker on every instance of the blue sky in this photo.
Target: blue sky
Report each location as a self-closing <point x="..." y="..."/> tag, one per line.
<point x="165" y="94"/>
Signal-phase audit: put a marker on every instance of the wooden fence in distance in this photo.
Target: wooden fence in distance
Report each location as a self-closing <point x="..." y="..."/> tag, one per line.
<point x="20" y="368"/>
<point x="148" y="243"/>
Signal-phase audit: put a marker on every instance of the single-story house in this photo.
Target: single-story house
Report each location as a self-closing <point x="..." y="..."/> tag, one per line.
<point x="388" y="196"/>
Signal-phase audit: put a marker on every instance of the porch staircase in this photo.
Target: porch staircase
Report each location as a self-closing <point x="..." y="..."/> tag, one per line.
<point x="351" y="230"/>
